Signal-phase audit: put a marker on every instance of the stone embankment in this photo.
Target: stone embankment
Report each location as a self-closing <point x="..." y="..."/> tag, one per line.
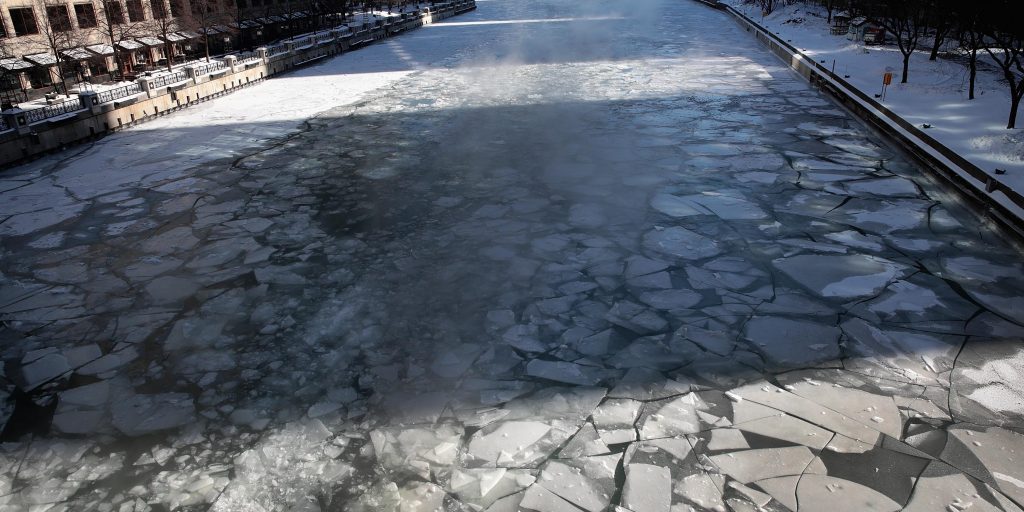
<point x="26" y="134"/>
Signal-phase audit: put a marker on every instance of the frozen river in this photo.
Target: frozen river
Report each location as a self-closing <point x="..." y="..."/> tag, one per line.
<point x="547" y="256"/>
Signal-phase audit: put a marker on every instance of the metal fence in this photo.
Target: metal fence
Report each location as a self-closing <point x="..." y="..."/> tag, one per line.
<point x="3" y="125"/>
<point x="164" y="80"/>
<point x="277" y="49"/>
<point x="49" y="111"/>
<point x="118" y="93"/>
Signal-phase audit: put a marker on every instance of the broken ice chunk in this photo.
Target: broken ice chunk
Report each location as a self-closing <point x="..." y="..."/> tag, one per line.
<point x="681" y="243"/>
<point x="562" y="371"/>
<point x="671" y="418"/>
<point x="841" y="276"/>
<point x="648" y="488"/>
<point x="508" y="444"/>
<point x="615" y="420"/>
<point x="143" y="414"/>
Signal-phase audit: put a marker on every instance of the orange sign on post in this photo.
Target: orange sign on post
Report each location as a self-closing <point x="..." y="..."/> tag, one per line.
<point x="887" y="78"/>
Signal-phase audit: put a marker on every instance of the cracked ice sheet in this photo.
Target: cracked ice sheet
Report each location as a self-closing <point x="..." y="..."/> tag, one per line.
<point x="442" y="314"/>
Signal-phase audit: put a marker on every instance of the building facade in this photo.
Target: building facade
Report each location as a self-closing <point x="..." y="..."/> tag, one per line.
<point x="56" y="45"/>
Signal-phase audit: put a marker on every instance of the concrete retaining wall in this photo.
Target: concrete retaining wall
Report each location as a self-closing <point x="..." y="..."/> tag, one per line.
<point x="31" y="140"/>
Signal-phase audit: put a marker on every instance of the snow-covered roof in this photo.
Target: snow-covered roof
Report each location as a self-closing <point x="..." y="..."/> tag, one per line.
<point x="188" y="34"/>
<point x="14" y="64"/>
<point x="77" y="54"/>
<point x="150" y="41"/>
<point x="101" y="49"/>
<point x="42" y="59"/>
<point x="174" y="38"/>
<point x="128" y="44"/>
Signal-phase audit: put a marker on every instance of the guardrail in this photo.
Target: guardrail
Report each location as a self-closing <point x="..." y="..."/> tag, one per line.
<point x="172" y="78"/>
<point x="41" y="114"/>
<point x="118" y="93"/>
<point x="988" y="183"/>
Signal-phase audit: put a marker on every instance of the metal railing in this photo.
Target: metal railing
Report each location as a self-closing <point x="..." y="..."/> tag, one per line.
<point x="210" y="67"/>
<point x="248" y="56"/>
<point x="3" y="125"/>
<point x="277" y="49"/>
<point x="118" y="93"/>
<point x="172" y="78"/>
<point x="988" y="183"/>
<point x="49" y="111"/>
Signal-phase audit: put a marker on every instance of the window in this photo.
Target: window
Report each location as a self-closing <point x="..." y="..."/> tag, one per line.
<point x="3" y="28"/>
<point x="24" y="21"/>
<point x="85" y="15"/>
<point x="241" y="4"/>
<point x="115" y="13"/>
<point x="58" y="17"/>
<point x="176" y="8"/>
<point x="159" y="9"/>
<point x="135" y="11"/>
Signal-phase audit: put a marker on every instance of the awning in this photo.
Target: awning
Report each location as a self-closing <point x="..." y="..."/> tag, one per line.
<point x="76" y="54"/>
<point x="101" y="49"/>
<point x="41" y="59"/>
<point x="174" y="38"/>
<point x="150" y="41"/>
<point x="248" y="24"/>
<point x="222" y="28"/>
<point x="276" y="19"/>
<point x="129" y="45"/>
<point x="14" y="64"/>
<point x="188" y="34"/>
<point x="209" y="31"/>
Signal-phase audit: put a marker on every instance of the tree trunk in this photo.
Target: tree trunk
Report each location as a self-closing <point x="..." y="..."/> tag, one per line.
<point x="117" y="56"/>
<point x="973" y="64"/>
<point x="906" y="67"/>
<point x="169" y="54"/>
<point x="206" y="45"/>
<point x="1014" y="105"/>
<point x="935" y="46"/>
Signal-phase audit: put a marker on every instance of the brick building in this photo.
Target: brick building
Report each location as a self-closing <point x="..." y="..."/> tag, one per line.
<point x="48" y="45"/>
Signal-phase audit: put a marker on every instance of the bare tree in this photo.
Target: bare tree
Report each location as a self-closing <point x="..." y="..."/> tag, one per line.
<point x="971" y="36"/>
<point x="201" y="16"/>
<point x="117" y="28"/>
<point x="907" y="21"/>
<point x="56" y="36"/>
<point x="1006" y="47"/>
<point x="9" y="79"/>
<point x="164" y="25"/>
<point x="941" y="19"/>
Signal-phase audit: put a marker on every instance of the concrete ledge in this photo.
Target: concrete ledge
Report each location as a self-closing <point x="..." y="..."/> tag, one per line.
<point x="995" y="200"/>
